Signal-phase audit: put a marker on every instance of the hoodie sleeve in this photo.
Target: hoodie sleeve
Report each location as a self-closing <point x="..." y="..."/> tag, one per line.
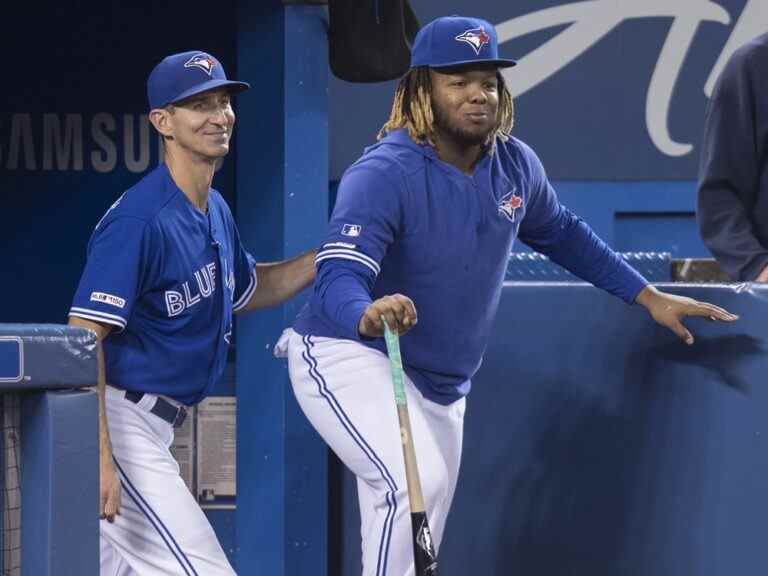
<point x="551" y="229"/>
<point x="364" y="223"/>
<point x="729" y="172"/>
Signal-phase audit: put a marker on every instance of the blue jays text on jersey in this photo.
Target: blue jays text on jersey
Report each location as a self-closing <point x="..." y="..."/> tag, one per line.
<point x="406" y="222"/>
<point x="204" y="285"/>
<point x="154" y="269"/>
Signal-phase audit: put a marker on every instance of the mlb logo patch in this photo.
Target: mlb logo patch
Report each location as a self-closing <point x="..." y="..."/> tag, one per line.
<point x="107" y="299"/>
<point x="352" y="230"/>
<point x="475" y="37"/>
<point x="201" y="61"/>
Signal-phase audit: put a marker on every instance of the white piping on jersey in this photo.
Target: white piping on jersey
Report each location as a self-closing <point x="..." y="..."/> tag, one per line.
<point x="243" y="300"/>
<point x="98" y="316"/>
<point x="348" y="255"/>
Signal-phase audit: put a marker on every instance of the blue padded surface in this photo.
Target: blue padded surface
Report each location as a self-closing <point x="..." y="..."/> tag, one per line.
<point x="11" y="359"/>
<point x="46" y="356"/>
<point x="597" y="444"/>
<point x="534" y="267"/>
<point x="60" y="483"/>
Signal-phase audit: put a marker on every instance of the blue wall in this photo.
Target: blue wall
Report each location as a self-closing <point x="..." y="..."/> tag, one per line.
<point x="598" y="444"/>
<point x="587" y="72"/>
<point x="282" y="200"/>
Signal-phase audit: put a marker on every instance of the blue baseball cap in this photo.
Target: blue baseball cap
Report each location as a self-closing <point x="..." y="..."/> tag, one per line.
<point x="180" y="76"/>
<point x="457" y="40"/>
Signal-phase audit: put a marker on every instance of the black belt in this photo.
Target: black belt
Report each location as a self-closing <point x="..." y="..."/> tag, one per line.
<point x="172" y="414"/>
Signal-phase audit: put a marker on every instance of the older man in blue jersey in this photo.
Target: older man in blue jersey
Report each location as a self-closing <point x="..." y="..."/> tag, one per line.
<point x="425" y="220"/>
<point x="165" y="272"/>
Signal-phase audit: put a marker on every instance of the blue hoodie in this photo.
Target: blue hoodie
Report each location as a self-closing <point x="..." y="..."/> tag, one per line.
<point x="406" y="222"/>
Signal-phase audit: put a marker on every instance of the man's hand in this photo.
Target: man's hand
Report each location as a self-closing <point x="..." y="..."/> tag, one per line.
<point x="763" y="276"/>
<point x="109" y="489"/>
<point x="398" y="311"/>
<point x="669" y="309"/>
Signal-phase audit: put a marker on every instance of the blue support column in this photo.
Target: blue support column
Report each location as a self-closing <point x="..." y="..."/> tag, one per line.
<point x="60" y="483"/>
<point x="282" y="205"/>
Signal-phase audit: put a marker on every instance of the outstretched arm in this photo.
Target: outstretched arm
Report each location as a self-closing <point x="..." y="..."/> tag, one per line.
<point x="583" y="253"/>
<point x="280" y="281"/>
<point x="553" y="230"/>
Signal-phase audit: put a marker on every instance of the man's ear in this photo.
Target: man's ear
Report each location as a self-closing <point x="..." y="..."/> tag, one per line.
<point x="161" y="120"/>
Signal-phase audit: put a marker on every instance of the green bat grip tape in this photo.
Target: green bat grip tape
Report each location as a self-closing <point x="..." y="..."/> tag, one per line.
<point x="395" y="362"/>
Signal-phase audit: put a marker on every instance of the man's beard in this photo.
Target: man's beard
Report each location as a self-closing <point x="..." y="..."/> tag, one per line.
<point x="463" y="138"/>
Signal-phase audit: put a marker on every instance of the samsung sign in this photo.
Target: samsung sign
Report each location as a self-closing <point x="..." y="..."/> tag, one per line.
<point x="75" y="142"/>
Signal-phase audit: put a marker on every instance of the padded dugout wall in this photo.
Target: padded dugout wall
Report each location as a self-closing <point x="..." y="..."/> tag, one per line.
<point x="597" y="444"/>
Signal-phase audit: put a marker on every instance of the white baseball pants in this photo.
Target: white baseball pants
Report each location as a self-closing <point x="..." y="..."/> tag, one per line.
<point x="345" y="389"/>
<point x="161" y="529"/>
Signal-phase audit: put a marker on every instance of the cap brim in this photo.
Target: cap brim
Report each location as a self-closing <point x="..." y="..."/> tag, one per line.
<point x="233" y="85"/>
<point x="499" y="62"/>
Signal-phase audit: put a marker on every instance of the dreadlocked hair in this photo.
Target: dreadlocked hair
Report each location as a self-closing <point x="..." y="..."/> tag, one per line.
<point x="412" y="109"/>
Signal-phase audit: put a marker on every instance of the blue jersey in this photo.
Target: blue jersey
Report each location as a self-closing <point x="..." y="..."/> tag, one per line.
<point x="167" y="277"/>
<point x="406" y="222"/>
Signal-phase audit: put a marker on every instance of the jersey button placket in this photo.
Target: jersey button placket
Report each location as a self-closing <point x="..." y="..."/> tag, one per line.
<point x="478" y="203"/>
<point x="226" y="307"/>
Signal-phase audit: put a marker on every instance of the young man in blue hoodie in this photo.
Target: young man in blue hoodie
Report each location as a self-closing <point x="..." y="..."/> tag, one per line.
<point x="425" y="221"/>
<point x="733" y="177"/>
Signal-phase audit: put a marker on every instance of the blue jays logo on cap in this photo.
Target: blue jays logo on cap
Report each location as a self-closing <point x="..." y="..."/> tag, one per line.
<point x="476" y="37"/>
<point x="202" y="61"/>
<point x="443" y="43"/>
<point x="174" y="79"/>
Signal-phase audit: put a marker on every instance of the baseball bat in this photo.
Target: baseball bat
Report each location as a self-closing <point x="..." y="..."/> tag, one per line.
<point x="424" y="557"/>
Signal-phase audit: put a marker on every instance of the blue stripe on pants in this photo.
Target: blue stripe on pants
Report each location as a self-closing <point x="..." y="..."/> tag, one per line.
<point x="346" y="422"/>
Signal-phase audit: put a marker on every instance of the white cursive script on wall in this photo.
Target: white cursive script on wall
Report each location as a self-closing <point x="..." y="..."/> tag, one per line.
<point x="589" y="21"/>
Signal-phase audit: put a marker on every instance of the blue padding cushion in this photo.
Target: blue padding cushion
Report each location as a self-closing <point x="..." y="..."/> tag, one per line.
<point x="40" y="356"/>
